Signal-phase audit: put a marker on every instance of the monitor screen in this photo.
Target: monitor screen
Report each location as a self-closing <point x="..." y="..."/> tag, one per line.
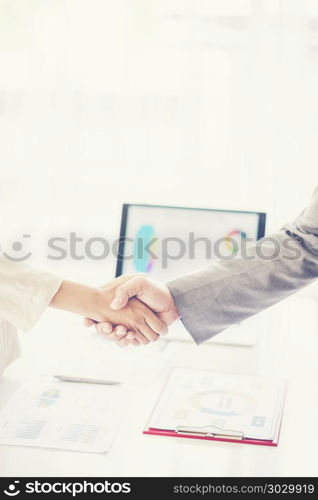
<point x="170" y="241"/>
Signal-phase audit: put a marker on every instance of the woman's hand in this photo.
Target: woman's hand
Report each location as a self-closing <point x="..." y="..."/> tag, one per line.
<point x="136" y="318"/>
<point x="154" y="294"/>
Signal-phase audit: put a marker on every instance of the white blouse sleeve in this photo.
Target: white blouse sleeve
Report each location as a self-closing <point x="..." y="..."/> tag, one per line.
<point x="9" y="344"/>
<point x="25" y="292"/>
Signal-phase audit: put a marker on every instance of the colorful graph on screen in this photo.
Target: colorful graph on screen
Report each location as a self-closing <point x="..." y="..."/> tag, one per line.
<point x="232" y="240"/>
<point x="144" y="250"/>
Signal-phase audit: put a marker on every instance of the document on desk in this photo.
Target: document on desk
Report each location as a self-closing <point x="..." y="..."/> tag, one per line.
<point x="128" y="365"/>
<point x="210" y="405"/>
<point x="47" y="413"/>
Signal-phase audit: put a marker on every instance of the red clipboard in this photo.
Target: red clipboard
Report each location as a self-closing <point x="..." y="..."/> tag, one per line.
<point x="210" y="433"/>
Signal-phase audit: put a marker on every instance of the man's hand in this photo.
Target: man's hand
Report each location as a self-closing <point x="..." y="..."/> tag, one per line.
<point x="154" y="294"/>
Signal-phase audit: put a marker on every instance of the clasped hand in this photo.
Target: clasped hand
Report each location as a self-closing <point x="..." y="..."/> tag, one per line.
<point x="137" y="310"/>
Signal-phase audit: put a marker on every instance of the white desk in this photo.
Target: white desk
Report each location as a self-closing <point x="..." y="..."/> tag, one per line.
<point x="288" y="349"/>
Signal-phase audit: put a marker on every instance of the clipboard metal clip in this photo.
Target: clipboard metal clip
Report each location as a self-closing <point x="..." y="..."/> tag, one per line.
<point x="210" y="431"/>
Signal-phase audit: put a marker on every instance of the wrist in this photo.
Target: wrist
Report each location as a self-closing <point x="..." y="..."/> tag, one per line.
<point x="78" y="298"/>
<point x="100" y="301"/>
<point x="174" y="311"/>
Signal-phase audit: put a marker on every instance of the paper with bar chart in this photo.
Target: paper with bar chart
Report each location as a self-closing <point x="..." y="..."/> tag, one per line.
<point x="52" y="414"/>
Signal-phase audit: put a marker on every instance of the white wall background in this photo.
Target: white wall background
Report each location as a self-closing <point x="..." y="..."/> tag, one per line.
<point x="207" y="103"/>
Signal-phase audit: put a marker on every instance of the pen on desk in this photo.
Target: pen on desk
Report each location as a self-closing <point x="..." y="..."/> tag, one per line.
<point x="86" y="380"/>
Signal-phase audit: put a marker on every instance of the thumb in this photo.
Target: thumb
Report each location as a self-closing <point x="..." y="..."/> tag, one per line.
<point x="88" y="322"/>
<point x="124" y="292"/>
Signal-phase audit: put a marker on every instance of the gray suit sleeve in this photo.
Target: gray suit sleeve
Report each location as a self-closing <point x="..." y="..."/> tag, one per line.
<point x="228" y="291"/>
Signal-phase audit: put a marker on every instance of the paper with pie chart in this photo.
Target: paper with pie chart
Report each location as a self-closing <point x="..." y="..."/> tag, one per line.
<point x="246" y="404"/>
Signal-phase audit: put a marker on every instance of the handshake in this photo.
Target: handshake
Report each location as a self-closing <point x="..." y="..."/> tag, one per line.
<point x="132" y="310"/>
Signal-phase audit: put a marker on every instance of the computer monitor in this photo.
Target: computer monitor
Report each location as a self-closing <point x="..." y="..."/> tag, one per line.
<point x="170" y="241"/>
